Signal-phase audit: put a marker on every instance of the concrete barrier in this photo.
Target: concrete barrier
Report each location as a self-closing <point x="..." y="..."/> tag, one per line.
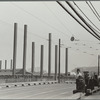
<point x="29" y="84"/>
<point x="44" y="82"/>
<point x="40" y="83"/>
<point x="34" y="84"/>
<point x="89" y="91"/>
<point x="76" y="96"/>
<point x="16" y="85"/>
<point x="23" y="84"/>
<point x="8" y="86"/>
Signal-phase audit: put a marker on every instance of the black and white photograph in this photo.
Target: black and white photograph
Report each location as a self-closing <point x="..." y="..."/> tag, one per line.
<point x="49" y="49"/>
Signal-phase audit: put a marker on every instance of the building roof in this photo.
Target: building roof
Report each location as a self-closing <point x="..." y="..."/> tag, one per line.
<point x="89" y="69"/>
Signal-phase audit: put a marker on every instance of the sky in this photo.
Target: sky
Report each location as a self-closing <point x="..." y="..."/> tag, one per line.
<point x="42" y="18"/>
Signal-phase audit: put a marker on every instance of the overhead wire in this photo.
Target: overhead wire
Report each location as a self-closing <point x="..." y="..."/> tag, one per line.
<point x="80" y="46"/>
<point x="58" y="19"/>
<point x="34" y="16"/>
<point x="53" y="42"/>
<point x="79" y="51"/>
<point x="86" y="17"/>
<point x="9" y="24"/>
<point x="44" y="38"/>
<point x="31" y="33"/>
<point x="92" y="10"/>
<point x="77" y="20"/>
<point x="58" y="2"/>
<point x="82" y="19"/>
<point x="39" y="19"/>
<point x="70" y="47"/>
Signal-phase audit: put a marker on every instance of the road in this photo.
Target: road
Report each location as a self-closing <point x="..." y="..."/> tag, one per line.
<point x="50" y="91"/>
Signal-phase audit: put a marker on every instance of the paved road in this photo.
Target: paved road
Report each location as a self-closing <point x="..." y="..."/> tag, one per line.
<point x="50" y="91"/>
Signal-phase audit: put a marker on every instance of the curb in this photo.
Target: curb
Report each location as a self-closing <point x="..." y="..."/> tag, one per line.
<point x="8" y="85"/>
<point x="76" y="96"/>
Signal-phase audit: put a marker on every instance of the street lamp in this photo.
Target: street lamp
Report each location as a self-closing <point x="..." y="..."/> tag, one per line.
<point x="73" y="39"/>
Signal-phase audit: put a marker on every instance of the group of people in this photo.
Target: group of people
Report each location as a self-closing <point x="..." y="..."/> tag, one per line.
<point x="84" y="82"/>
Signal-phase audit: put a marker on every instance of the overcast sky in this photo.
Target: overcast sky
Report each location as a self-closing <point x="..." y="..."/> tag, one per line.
<point x="43" y="18"/>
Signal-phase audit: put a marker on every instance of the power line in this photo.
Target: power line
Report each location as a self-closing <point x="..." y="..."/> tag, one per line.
<point x="9" y="24"/>
<point x="79" y="51"/>
<point x="77" y="20"/>
<point x="38" y="19"/>
<point x="87" y="17"/>
<point x="92" y="10"/>
<point x="57" y="18"/>
<point x="86" y="23"/>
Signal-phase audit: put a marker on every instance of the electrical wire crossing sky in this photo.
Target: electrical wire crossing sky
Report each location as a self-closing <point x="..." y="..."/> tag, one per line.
<point x="63" y="19"/>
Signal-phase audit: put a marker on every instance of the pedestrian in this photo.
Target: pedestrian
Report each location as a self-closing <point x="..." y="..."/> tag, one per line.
<point x="78" y="73"/>
<point x="78" y="78"/>
<point x="80" y="83"/>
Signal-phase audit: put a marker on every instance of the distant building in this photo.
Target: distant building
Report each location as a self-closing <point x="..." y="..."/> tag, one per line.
<point x="9" y="72"/>
<point x="91" y="70"/>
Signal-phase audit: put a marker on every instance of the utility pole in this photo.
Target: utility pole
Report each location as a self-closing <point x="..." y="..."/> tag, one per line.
<point x="49" y="56"/>
<point x="56" y="61"/>
<point x="66" y="61"/>
<point x="41" y="61"/>
<point x="11" y="64"/>
<point x="0" y="65"/>
<point x="33" y="57"/>
<point x="59" y="62"/>
<point x="98" y="63"/>
<point x="24" y="49"/>
<point x="14" y="49"/>
<point x="5" y="65"/>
